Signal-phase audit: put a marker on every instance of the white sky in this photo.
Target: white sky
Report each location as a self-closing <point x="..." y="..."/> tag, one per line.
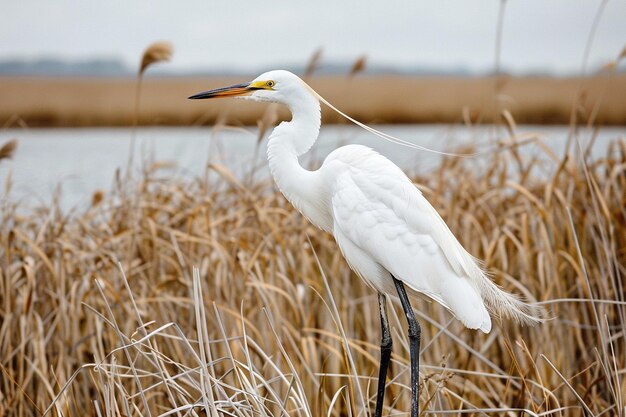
<point x="253" y="35"/>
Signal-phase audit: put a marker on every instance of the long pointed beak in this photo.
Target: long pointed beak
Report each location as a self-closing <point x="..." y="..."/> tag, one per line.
<point x="233" y="90"/>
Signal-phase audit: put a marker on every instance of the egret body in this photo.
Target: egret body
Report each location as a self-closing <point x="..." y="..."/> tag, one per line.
<point x="387" y="231"/>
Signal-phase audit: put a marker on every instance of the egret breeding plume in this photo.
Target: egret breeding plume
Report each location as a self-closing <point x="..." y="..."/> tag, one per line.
<point x="388" y="232"/>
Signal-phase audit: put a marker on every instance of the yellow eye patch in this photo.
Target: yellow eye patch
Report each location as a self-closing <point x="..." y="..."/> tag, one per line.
<point x="263" y="85"/>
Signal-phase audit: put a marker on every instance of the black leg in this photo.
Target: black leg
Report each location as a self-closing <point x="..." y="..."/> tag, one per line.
<point x="414" y="345"/>
<point x="385" y="354"/>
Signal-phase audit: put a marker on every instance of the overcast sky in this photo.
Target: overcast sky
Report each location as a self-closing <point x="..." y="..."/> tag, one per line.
<point x="252" y="35"/>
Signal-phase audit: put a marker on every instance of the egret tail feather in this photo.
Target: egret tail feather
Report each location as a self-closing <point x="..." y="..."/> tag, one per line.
<point x="503" y="304"/>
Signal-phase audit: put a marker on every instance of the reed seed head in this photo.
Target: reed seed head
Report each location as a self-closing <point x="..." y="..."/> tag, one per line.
<point x="157" y="52"/>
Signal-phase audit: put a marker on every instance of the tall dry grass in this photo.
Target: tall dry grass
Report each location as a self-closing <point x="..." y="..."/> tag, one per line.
<point x="155" y="53"/>
<point x="102" y="313"/>
<point x="8" y="149"/>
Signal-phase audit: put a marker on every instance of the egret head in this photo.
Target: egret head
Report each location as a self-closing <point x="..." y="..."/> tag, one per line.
<point x="276" y="86"/>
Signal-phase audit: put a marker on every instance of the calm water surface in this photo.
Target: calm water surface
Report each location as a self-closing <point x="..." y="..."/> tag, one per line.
<point x="81" y="161"/>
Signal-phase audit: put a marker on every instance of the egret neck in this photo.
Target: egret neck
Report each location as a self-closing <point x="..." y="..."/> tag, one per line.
<point x="287" y="142"/>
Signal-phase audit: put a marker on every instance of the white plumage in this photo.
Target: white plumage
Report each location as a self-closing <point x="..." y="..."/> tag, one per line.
<point x="381" y="221"/>
<point x="384" y="225"/>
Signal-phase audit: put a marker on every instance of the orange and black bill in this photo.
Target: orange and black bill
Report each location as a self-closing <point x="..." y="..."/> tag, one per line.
<point x="233" y="90"/>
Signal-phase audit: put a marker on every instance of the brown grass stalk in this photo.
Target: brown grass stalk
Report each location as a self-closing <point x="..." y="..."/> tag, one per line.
<point x="254" y="330"/>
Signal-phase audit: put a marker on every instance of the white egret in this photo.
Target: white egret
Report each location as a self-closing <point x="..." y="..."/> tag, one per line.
<point x="387" y="231"/>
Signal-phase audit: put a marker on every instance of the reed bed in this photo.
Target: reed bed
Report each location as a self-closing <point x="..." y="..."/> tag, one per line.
<point x="207" y="296"/>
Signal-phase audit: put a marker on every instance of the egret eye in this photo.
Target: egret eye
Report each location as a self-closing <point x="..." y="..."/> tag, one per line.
<point x="271" y="83"/>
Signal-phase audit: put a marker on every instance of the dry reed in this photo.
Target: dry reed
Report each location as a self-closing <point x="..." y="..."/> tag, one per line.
<point x="101" y="312"/>
<point x="314" y="62"/>
<point x="156" y="52"/>
<point x="8" y="149"/>
<point x="358" y="66"/>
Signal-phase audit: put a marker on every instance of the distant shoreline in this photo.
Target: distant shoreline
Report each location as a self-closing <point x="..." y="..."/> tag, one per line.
<point x="91" y="102"/>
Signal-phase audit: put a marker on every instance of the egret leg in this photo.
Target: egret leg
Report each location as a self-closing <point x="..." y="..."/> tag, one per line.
<point x="385" y="353"/>
<point x="414" y="345"/>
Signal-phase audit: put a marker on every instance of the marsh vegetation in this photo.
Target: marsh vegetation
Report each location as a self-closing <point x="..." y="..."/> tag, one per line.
<point x="213" y="295"/>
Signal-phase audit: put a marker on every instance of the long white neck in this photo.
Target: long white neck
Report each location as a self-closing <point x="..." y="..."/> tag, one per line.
<point x="303" y="188"/>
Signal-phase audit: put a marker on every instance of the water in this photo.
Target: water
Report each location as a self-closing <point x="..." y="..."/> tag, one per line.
<point x="81" y="161"/>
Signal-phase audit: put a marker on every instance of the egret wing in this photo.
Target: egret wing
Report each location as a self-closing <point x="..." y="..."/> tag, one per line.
<point x="377" y="209"/>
